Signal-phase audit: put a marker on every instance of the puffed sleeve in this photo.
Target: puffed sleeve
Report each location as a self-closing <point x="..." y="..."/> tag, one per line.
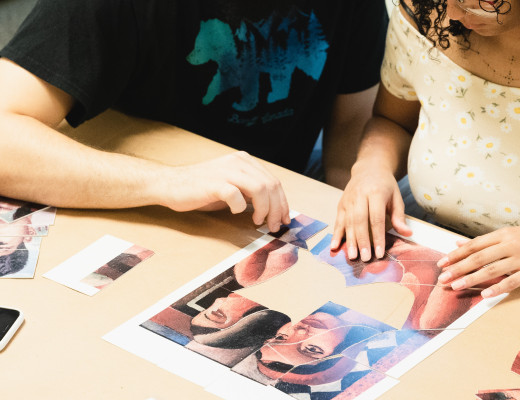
<point x="398" y="65"/>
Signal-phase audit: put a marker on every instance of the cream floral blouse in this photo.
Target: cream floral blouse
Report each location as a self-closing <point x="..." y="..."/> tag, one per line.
<point x="463" y="163"/>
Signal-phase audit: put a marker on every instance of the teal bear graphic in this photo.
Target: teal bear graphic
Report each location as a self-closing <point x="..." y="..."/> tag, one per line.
<point x="252" y="50"/>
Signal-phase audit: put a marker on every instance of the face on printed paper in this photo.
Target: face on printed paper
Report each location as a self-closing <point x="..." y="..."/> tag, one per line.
<point x="474" y="17"/>
<point x="311" y="339"/>
<point x="19" y="233"/>
<point x="224" y="312"/>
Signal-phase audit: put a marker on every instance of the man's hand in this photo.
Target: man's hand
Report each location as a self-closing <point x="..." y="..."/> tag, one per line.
<point x="485" y="258"/>
<point x="369" y="196"/>
<point x="232" y="180"/>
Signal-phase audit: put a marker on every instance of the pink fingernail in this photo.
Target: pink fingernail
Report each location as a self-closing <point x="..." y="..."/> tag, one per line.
<point x="365" y="254"/>
<point x="487" y="293"/>
<point x="379" y="252"/>
<point x="457" y="285"/>
<point x="444" y="277"/>
<point x="352" y="252"/>
<point x="334" y="244"/>
<point x="442" y="262"/>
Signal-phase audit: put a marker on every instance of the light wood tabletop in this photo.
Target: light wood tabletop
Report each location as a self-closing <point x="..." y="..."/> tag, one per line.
<point x="59" y="353"/>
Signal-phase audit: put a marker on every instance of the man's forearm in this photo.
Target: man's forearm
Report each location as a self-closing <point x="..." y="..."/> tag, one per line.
<point x="40" y="164"/>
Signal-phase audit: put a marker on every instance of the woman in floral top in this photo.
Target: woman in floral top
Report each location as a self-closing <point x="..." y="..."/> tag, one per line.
<point x="450" y="99"/>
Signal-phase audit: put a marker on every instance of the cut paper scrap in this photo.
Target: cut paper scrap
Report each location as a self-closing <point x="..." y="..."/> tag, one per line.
<point x="499" y="394"/>
<point x="305" y="357"/>
<point x="19" y="256"/>
<point x="300" y="289"/>
<point x="402" y="259"/>
<point x="516" y="364"/>
<point x="12" y="210"/>
<point x="15" y="229"/>
<point x="98" y="265"/>
<point x="227" y="331"/>
<point x="298" y="231"/>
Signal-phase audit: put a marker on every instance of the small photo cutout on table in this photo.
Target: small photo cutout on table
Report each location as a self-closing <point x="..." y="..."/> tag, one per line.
<point x="516" y="364"/>
<point x="499" y="394"/>
<point x="98" y="265"/>
<point x="18" y="256"/>
<point x="12" y="210"/>
<point x="298" y="231"/>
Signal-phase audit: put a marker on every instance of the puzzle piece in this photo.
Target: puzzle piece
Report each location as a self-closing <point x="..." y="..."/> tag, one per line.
<point x="322" y="335"/>
<point x="301" y="289"/>
<point x="298" y="231"/>
<point x="12" y="210"/>
<point x="116" y="267"/>
<point x="227" y="331"/>
<point x="402" y="257"/>
<point x="516" y="364"/>
<point x="499" y="394"/>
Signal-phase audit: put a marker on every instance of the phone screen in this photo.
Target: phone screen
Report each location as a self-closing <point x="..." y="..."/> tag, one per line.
<point x="7" y="319"/>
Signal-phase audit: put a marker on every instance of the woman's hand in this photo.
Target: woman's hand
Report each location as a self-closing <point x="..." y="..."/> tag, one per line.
<point x="371" y="194"/>
<point x="487" y="257"/>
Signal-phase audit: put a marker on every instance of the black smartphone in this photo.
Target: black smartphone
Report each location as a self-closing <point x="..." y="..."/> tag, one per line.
<point x="10" y="321"/>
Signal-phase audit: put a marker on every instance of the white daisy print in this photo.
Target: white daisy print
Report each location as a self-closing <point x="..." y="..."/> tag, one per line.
<point x="424" y="57"/>
<point x="422" y="127"/>
<point x="513" y="109"/>
<point x="451" y="88"/>
<point x="426" y="197"/>
<point x="492" y="110"/>
<point x="391" y="38"/>
<point x="509" y="160"/>
<point x="488" y="145"/>
<point x="488" y="187"/>
<point x="444" y="105"/>
<point x="508" y="210"/>
<point x="492" y="91"/>
<point x="451" y="151"/>
<point x="428" y="80"/>
<point x="434" y="128"/>
<point x="469" y="176"/>
<point x="505" y="127"/>
<point x="472" y="210"/>
<point x="464" y="142"/>
<point x="464" y="120"/>
<point x="427" y="158"/>
<point x="399" y="67"/>
<point x="444" y="187"/>
<point x="461" y="78"/>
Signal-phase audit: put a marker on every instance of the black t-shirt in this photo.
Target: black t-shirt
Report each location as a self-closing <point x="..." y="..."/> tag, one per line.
<point x="258" y="76"/>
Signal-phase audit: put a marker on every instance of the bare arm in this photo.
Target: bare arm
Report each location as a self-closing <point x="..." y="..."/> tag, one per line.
<point x="373" y="192"/>
<point x="342" y="135"/>
<point x="39" y="164"/>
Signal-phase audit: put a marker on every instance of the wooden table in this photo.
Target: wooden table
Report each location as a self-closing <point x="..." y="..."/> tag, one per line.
<point x="59" y="354"/>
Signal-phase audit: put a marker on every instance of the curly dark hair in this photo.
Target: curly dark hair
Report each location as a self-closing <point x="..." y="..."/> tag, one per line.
<point x="429" y="15"/>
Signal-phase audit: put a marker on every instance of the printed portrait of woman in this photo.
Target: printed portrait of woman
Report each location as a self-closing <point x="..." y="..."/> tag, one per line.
<point x="220" y="324"/>
<point x="413" y="266"/>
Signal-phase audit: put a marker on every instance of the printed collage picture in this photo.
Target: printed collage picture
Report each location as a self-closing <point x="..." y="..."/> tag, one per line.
<point x="273" y="320"/>
<point x="22" y="227"/>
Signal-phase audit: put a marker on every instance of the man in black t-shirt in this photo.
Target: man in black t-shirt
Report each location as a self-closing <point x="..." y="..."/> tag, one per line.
<point x="262" y="77"/>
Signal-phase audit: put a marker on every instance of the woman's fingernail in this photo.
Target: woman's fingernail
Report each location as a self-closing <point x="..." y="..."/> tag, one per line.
<point x="487" y="293"/>
<point x="444" y="277"/>
<point x="460" y="284"/>
<point x="379" y="252"/>
<point x="352" y="252"/>
<point x="334" y="244"/>
<point x="442" y="262"/>
<point x="365" y="254"/>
